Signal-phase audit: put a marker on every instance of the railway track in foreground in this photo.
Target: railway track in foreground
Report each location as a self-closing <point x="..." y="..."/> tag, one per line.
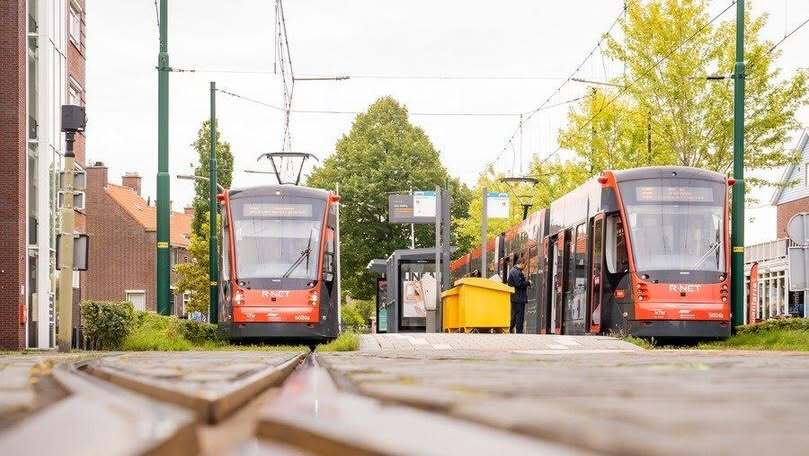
<point x="238" y="403"/>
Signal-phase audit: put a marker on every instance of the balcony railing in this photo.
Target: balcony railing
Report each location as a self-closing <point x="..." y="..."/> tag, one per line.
<point x="767" y="250"/>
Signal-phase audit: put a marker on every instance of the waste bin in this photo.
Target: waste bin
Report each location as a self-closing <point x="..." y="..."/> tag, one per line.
<point x="477" y="305"/>
<point x="449" y="309"/>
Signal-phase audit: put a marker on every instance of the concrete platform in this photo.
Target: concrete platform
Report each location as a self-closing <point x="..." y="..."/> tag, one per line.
<point x="539" y="343"/>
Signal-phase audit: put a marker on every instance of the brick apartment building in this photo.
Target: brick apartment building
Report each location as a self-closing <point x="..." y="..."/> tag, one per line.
<point x="122" y="229"/>
<point x="42" y="62"/>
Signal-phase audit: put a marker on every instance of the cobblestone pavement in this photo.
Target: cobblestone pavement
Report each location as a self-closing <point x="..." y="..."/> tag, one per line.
<point x="25" y="385"/>
<point x="491" y="342"/>
<point x="212" y="383"/>
<point x="639" y="402"/>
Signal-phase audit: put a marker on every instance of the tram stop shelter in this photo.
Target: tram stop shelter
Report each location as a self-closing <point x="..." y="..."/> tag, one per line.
<point x="406" y="288"/>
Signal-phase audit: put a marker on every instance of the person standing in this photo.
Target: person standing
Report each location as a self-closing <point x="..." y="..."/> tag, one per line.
<point x="517" y="280"/>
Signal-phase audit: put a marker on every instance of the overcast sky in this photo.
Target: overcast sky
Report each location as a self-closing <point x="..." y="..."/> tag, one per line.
<point x="543" y="41"/>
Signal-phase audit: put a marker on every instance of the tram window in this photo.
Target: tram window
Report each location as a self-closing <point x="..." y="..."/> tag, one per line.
<point x="580" y="253"/>
<point x="329" y="258"/>
<point x="615" y="255"/>
<point x="533" y="260"/>
<point x="225" y="269"/>
<point x="570" y="245"/>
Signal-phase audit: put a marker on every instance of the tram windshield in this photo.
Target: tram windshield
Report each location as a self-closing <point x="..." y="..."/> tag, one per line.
<point x="676" y="224"/>
<point x="277" y="237"/>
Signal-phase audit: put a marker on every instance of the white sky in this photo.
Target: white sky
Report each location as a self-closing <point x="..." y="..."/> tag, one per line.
<point x="357" y="37"/>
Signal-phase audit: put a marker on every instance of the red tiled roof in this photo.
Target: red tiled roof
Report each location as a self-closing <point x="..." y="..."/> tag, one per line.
<point x="146" y="215"/>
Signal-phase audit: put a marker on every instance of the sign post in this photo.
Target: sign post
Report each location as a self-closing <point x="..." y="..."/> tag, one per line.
<point x="484" y="232"/>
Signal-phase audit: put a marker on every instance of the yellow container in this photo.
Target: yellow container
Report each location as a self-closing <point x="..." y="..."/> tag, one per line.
<point x="449" y="309"/>
<point x="477" y="304"/>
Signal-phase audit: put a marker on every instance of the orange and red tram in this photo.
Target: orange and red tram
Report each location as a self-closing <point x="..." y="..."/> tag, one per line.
<point x="279" y="272"/>
<point x="641" y="251"/>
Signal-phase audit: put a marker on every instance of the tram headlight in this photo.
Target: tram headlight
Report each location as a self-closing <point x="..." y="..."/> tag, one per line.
<point x="238" y="298"/>
<point x="313" y="298"/>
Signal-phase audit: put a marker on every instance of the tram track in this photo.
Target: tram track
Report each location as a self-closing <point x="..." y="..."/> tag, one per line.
<point x="293" y="405"/>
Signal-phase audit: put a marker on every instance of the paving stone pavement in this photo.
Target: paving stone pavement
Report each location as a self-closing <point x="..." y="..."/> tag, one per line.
<point x="21" y="388"/>
<point x="625" y="402"/>
<point x="491" y="342"/>
<point x="212" y="383"/>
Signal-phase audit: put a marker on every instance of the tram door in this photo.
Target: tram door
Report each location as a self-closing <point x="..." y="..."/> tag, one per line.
<point x="596" y="275"/>
<point x="558" y="287"/>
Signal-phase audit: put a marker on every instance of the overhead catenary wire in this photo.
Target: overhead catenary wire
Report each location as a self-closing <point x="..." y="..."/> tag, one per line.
<point x="643" y="74"/>
<point x="530" y="114"/>
<point x="415" y="113"/>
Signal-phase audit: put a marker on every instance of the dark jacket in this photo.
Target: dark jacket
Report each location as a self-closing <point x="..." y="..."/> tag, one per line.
<point x="517" y="279"/>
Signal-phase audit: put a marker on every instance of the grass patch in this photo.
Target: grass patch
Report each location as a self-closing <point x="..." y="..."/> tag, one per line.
<point x="151" y="331"/>
<point x="347" y="341"/>
<point x="647" y="344"/>
<point x="790" y="334"/>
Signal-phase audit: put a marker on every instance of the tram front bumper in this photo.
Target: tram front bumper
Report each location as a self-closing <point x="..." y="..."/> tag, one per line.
<point x="680" y="328"/>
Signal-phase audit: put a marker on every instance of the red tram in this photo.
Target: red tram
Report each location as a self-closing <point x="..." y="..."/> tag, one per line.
<point x="280" y="265"/>
<point x="641" y="251"/>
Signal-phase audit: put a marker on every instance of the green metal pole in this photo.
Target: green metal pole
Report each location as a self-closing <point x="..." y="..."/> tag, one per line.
<point x="737" y="222"/>
<point x="213" y="251"/>
<point x="163" y="190"/>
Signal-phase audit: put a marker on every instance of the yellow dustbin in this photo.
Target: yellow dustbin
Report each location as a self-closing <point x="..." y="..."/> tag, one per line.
<point x="477" y="304"/>
<point x="449" y="309"/>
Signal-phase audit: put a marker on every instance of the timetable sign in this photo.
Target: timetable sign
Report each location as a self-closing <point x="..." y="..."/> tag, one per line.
<point x="415" y="207"/>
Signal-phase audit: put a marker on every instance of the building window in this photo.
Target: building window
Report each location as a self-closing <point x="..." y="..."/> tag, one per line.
<point x="137" y="298"/>
<point x="74" y="93"/>
<point x="74" y="25"/>
<point x="805" y="174"/>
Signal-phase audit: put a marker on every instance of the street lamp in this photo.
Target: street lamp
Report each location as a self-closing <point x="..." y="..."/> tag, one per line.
<point x="521" y="180"/>
<point x="73" y="120"/>
<point x="199" y="178"/>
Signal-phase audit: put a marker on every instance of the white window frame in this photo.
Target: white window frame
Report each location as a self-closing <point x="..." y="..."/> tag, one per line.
<point x="74" y="90"/>
<point x="74" y="24"/>
<point x="128" y="292"/>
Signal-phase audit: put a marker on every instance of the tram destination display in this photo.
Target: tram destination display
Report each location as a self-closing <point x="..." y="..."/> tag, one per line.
<point x="415" y="207"/>
<point x="280" y="210"/>
<point x="673" y="194"/>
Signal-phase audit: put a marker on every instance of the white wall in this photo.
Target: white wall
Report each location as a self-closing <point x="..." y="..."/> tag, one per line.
<point x="759" y="224"/>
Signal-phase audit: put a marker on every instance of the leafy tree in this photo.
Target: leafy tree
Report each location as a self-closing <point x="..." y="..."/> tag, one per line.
<point x="382" y="153"/>
<point x="690" y="117"/>
<point x="224" y="172"/>
<point x="192" y="277"/>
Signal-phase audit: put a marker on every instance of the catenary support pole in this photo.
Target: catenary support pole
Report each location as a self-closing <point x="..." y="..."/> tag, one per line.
<point x="737" y="221"/>
<point x="437" y="328"/>
<point x="64" y="336"/>
<point x="484" y="229"/>
<point x="163" y="190"/>
<point x="213" y="250"/>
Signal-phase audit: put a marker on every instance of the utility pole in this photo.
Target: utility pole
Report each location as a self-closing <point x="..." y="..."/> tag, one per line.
<point x="737" y="221"/>
<point x="437" y="320"/>
<point x="64" y="338"/>
<point x="73" y="120"/>
<point x="213" y="251"/>
<point x="484" y="231"/>
<point x="163" y="182"/>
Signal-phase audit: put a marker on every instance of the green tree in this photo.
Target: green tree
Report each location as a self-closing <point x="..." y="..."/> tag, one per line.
<point x="669" y="48"/>
<point x="382" y="153"/>
<point x="224" y="172"/>
<point x="192" y="277"/>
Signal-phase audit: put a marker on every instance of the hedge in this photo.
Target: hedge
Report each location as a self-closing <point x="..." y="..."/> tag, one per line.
<point x="106" y="324"/>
